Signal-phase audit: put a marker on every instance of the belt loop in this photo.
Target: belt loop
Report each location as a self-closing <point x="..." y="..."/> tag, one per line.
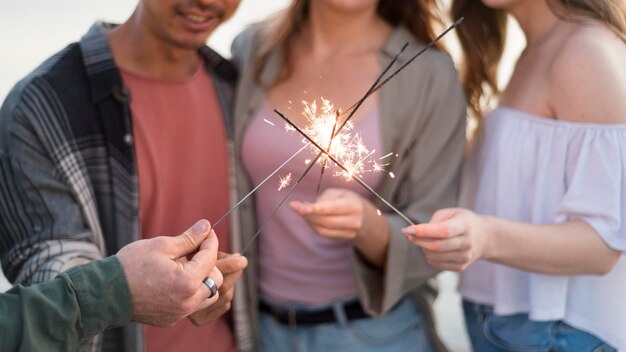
<point x="340" y="314"/>
<point x="291" y="318"/>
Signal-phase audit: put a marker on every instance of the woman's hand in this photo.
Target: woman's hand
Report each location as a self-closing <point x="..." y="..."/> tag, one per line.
<point x="452" y="240"/>
<point x="336" y="214"/>
<point x="340" y="214"/>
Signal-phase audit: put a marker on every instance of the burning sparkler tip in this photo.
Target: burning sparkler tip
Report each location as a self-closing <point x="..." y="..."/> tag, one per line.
<point x="284" y="181"/>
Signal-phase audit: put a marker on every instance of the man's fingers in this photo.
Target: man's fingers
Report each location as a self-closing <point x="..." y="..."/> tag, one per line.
<point x="207" y="302"/>
<point x="205" y="259"/>
<point x="232" y="263"/>
<point x="190" y="240"/>
<point x="217" y="277"/>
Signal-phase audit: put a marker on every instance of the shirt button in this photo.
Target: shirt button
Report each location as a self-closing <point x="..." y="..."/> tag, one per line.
<point x="128" y="139"/>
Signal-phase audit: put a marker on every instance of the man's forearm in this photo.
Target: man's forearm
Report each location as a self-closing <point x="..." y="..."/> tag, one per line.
<point x="65" y="312"/>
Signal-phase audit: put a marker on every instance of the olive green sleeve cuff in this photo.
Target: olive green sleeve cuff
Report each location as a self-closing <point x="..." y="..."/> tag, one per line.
<point x="103" y="296"/>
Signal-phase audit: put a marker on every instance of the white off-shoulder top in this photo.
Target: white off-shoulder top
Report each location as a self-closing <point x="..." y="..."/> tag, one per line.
<point x="543" y="171"/>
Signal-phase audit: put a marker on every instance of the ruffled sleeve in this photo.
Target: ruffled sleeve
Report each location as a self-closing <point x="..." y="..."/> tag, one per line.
<point x="595" y="181"/>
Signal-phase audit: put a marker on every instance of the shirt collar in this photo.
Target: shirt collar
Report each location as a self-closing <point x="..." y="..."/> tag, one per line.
<point x="104" y="76"/>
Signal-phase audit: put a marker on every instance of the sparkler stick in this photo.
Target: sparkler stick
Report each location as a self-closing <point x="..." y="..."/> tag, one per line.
<point x="350" y="112"/>
<point x="345" y="169"/>
<point x="282" y="201"/>
<point x="334" y="133"/>
<point x="214" y="224"/>
<point x="354" y="107"/>
<point x="376" y="86"/>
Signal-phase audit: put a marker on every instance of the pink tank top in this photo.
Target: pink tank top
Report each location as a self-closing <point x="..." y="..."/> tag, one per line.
<point x="296" y="265"/>
<point x="182" y="162"/>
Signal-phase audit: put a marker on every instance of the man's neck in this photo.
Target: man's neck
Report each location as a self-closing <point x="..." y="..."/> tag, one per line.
<point x="140" y="52"/>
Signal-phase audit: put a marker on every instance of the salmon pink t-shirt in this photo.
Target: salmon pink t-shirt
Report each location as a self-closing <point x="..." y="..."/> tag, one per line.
<point x="182" y="163"/>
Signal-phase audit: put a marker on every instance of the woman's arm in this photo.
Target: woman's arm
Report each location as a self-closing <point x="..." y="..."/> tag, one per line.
<point x="457" y="237"/>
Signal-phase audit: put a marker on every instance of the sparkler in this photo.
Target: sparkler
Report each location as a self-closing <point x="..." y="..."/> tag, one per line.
<point x="350" y="112"/>
<point x="289" y="127"/>
<point x="275" y="210"/>
<point x="214" y="224"/>
<point x="345" y="169"/>
<point x="322" y="127"/>
<point x="330" y="144"/>
<point x="284" y="181"/>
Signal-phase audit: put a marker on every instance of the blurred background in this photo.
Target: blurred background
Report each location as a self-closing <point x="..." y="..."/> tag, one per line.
<point x="32" y="30"/>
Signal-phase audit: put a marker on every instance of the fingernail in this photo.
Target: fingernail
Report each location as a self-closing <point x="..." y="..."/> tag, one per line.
<point x="200" y="227"/>
<point x="408" y="231"/>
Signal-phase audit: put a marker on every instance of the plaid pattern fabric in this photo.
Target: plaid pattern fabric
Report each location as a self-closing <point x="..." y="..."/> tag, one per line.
<point x="68" y="182"/>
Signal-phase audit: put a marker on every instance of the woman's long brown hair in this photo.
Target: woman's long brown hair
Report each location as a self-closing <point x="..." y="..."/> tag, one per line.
<point x="420" y="17"/>
<point x="483" y="33"/>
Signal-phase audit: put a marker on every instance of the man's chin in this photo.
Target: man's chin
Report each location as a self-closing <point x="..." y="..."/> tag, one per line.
<point x="191" y="45"/>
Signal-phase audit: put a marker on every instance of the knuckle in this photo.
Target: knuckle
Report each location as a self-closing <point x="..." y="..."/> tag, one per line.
<point x="189" y="241"/>
<point x="187" y="289"/>
<point x="186" y="308"/>
<point x="159" y="242"/>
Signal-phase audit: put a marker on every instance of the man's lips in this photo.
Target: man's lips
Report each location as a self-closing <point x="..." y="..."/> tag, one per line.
<point x="197" y="18"/>
<point x="199" y="22"/>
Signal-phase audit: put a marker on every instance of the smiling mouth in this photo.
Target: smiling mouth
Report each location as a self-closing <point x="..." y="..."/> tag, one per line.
<point x="200" y="13"/>
<point x="198" y="18"/>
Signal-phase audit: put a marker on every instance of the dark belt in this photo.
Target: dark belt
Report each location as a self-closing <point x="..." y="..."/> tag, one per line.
<point x="353" y="310"/>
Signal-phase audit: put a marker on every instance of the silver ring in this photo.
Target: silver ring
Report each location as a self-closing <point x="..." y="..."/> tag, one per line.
<point x="211" y="285"/>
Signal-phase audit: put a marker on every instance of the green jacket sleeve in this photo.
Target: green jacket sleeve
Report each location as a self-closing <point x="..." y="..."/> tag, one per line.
<point x="61" y="314"/>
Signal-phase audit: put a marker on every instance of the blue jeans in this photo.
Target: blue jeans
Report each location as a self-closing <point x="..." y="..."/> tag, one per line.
<point x="497" y="333"/>
<point x="401" y="329"/>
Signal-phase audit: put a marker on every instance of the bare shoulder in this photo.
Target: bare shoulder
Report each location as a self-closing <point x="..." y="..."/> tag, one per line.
<point x="588" y="76"/>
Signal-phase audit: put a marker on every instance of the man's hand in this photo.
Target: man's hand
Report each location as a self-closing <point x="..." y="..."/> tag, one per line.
<point x="231" y="266"/>
<point x="165" y="286"/>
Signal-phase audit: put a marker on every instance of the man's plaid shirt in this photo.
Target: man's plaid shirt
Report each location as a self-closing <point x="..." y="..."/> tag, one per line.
<point x="68" y="180"/>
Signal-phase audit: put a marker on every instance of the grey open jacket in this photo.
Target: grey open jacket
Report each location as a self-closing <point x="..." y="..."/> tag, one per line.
<point x="68" y="178"/>
<point x="423" y="114"/>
